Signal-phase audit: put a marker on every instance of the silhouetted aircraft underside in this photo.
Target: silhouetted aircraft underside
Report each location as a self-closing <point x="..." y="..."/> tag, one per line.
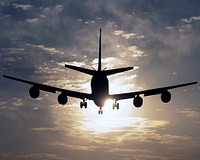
<point x="99" y="87"/>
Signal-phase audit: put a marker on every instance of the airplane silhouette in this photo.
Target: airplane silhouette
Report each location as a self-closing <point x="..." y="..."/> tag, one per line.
<point x="99" y="87"/>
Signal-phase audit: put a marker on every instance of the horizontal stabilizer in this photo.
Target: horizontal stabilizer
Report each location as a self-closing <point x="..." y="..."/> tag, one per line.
<point x="115" y="71"/>
<point x="80" y="69"/>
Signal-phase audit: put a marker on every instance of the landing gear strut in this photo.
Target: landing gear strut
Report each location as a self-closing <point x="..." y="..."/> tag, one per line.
<point x="83" y="104"/>
<point x="100" y="111"/>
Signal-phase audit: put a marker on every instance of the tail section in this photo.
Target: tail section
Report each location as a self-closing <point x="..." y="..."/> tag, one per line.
<point x="92" y="72"/>
<point x="112" y="71"/>
<point x="99" y="63"/>
<point x="88" y="71"/>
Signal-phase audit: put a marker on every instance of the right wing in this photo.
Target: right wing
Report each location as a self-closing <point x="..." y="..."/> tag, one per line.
<point x="149" y="92"/>
<point x="53" y="89"/>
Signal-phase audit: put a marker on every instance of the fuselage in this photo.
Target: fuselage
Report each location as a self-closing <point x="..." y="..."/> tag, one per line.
<point x="100" y="88"/>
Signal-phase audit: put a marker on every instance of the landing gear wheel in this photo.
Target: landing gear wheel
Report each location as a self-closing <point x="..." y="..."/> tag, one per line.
<point x="83" y="104"/>
<point x="117" y="105"/>
<point x="113" y="106"/>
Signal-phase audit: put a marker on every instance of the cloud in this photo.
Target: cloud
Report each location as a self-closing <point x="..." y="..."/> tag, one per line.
<point x="190" y="113"/>
<point x="83" y="147"/>
<point x="109" y="62"/>
<point x="49" y="50"/>
<point x="14" y="104"/>
<point x="127" y="35"/>
<point x="136" y="51"/>
<point x="191" y="19"/>
<point x="33" y="20"/>
<point x="32" y="156"/>
<point x="23" y="6"/>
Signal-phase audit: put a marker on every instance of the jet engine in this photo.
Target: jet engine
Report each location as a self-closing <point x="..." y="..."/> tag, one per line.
<point x="138" y="101"/>
<point x="62" y="99"/>
<point x="34" y="92"/>
<point x="166" y="97"/>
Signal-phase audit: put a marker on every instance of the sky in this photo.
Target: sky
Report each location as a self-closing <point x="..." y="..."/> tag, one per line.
<point x="159" y="38"/>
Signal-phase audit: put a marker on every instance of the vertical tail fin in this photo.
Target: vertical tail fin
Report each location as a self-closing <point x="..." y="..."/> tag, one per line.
<point x="99" y="64"/>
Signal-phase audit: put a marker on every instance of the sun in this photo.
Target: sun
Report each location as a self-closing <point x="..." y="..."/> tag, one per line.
<point x="111" y="120"/>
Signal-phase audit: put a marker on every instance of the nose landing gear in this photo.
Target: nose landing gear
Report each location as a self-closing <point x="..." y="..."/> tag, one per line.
<point x="100" y="111"/>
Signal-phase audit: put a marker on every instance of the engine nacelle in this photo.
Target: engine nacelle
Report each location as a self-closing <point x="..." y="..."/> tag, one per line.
<point x="137" y="101"/>
<point x="62" y="99"/>
<point x="34" y="92"/>
<point x="166" y="97"/>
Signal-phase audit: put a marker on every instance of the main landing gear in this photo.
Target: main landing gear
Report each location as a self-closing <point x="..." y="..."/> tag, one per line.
<point x="83" y="104"/>
<point x="100" y="111"/>
<point x="115" y="105"/>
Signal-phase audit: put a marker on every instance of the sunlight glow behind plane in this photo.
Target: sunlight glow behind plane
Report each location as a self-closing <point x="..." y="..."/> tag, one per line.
<point x="99" y="87"/>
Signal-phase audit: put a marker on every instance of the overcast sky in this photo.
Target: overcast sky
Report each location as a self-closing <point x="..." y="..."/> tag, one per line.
<point x="160" y="38"/>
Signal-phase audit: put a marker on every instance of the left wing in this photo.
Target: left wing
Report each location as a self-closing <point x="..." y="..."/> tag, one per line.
<point x="149" y="92"/>
<point x="52" y="89"/>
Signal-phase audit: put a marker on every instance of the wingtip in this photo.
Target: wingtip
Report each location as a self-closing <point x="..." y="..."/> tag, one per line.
<point x="67" y="65"/>
<point x="131" y="68"/>
<point x="194" y="82"/>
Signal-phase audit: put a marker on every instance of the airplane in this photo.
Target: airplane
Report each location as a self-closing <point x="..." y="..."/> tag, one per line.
<point x="99" y="88"/>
